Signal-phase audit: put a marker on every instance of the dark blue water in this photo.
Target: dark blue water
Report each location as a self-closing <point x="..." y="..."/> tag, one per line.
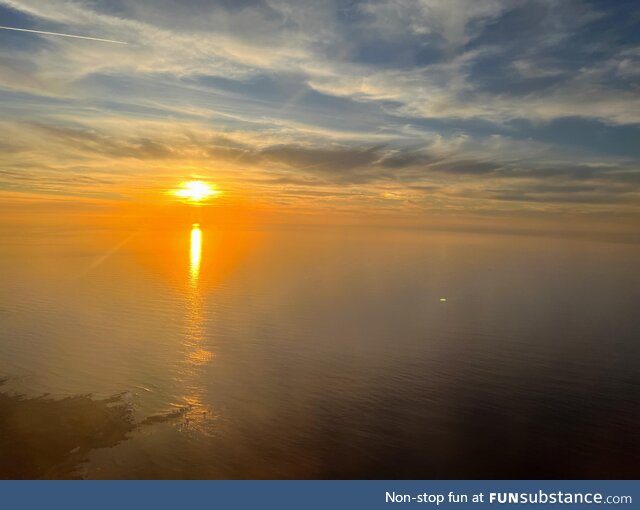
<point x="316" y="353"/>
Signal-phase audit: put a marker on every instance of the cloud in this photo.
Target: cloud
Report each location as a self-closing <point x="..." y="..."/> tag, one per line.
<point x="437" y="102"/>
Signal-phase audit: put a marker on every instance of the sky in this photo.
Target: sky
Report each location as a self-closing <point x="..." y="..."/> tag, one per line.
<point x="412" y="108"/>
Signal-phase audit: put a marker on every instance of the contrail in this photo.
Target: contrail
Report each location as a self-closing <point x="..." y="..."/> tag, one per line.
<point x="62" y="35"/>
<point x="104" y="257"/>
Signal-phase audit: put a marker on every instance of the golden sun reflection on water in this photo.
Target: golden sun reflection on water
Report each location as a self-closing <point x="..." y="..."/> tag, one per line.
<point x="194" y="319"/>
<point x="196" y="356"/>
<point x="195" y="254"/>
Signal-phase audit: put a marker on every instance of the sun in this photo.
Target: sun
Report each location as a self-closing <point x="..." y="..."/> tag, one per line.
<point x="196" y="191"/>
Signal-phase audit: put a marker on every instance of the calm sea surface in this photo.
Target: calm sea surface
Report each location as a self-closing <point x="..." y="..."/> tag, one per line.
<point x="317" y="353"/>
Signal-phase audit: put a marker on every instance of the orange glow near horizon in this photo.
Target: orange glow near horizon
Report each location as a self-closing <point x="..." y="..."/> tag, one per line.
<point x="196" y="191"/>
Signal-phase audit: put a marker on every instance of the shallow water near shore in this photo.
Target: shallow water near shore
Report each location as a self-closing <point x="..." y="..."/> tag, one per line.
<point x="317" y="353"/>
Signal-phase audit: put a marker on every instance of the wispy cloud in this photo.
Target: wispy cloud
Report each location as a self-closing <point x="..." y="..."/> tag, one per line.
<point x="408" y="103"/>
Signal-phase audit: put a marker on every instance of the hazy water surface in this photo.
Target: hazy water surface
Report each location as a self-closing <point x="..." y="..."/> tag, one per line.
<point x="315" y="353"/>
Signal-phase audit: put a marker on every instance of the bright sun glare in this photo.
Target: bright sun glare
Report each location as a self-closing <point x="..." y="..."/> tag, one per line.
<point x="196" y="191"/>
